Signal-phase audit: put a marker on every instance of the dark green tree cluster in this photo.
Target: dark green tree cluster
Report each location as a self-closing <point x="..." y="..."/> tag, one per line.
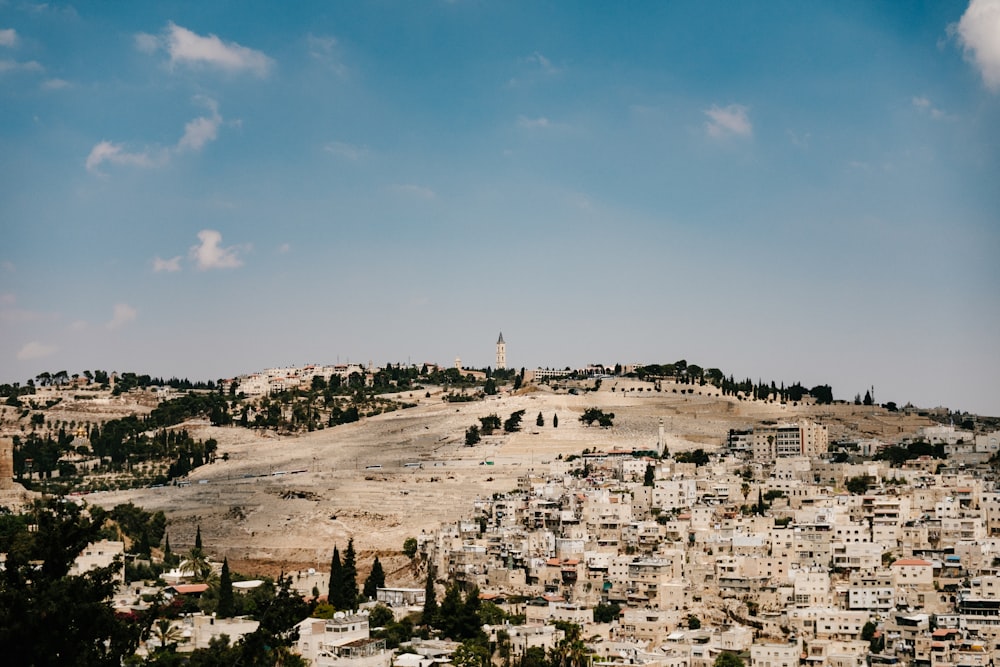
<point x="603" y="419"/>
<point x="374" y="581"/>
<point x="513" y="423"/>
<point x="343" y="592"/>
<point x="457" y="617"/>
<point x="48" y="617"/>
<point x="489" y="423"/>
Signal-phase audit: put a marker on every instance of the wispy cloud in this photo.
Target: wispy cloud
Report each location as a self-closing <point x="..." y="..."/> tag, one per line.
<point x="8" y="37"/>
<point x="190" y="49"/>
<point x="202" y="130"/>
<point x="197" y="133"/>
<point x="412" y="190"/>
<point x="978" y="33"/>
<point x="284" y="249"/>
<point x="17" y="66"/>
<point x="123" y="314"/>
<point x="112" y="153"/>
<point x="166" y="265"/>
<point x="533" y="123"/>
<point x="209" y="254"/>
<point x="36" y="350"/>
<point x="924" y="105"/>
<point x="348" y="151"/>
<point x="55" y="84"/>
<point x="323" y="49"/>
<point x="543" y="63"/>
<point x="732" y="120"/>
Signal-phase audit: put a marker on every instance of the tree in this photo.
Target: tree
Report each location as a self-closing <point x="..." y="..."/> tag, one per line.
<point x="48" y="617"/>
<point x="350" y="576"/>
<point x="555" y="420"/>
<point x="603" y="419"/>
<point x="694" y="623"/>
<point x="410" y="547"/>
<point x="336" y="588"/>
<point x="472" y="436"/>
<point x="227" y="604"/>
<point x="540" y="420"/>
<point x="513" y="423"/>
<point x="859" y="485"/>
<point x="728" y="659"/>
<point x="649" y="478"/>
<point x="430" y="598"/>
<point x="375" y="580"/>
<point x="606" y="613"/>
<point x="197" y="539"/>
<point x="380" y="616"/>
<point x="167" y="634"/>
<point x="470" y="654"/>
<point x="868" y="398"/>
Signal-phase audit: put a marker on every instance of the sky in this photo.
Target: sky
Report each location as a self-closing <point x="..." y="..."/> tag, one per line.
<point x="791" y="191"/>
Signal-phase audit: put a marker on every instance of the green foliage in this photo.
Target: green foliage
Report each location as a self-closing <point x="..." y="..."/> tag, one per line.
<point x="603" y="419"/>
<point x="822" y="393"/>
<point x="540" y="420"/>
<point x="227" y="604"/>
<point x="649" y="478"/>
<point x="472" y="436"/>
<point x="46" y="616"/>
<point x="859" y="485"/>
<point x="513" y="423"/>
<point x="380" y="616"/>
<point x="555" y="421"/>
<point x="606" y="613"/>
<point x="698" y="457"/>
<point x="375" y="580"/>
<point x="430" y="598"/>
<point x="693" y="622"/>
<point x="728" y="659"/>
<point x="489" y="423"/>
<point x="410" y="547"/>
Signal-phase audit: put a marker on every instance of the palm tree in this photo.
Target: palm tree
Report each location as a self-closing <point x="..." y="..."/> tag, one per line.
<point x="167" y="634"/>
<point x="196" y="564"/>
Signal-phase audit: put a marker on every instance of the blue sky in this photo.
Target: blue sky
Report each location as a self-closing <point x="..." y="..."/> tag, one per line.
<point x="790" y="191"/>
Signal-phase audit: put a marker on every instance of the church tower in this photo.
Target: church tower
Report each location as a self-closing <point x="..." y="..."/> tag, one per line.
<point x="501" y="353"/>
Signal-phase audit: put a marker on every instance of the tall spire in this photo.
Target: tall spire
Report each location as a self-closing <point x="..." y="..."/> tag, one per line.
<point x="501" y="353"/>
<point x="500" y="339"/>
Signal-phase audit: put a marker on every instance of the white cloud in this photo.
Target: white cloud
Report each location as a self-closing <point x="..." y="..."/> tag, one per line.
<point x="415" y="191"/>
<point x="8" y="37"/>
<point x="107" y="151"/>
<point x="324" y="50"/>
<point x="200" y="131"/>
<point x="15" y="66"/>
<point x="543" y="63"/>
<point x="209" y="255"/>
<point x="167" y="265"/>
<point x="197" y="133"/>
<point x="346" y="150"/>
<point x="78" y="325"/>
<point x="146" y="43"/>
<point x="189" y="48"/>
<point x="728" y="121"/>
<point x="35" y="350"/>
<point x="979" y="34"/>
<point x="532" y="123"/>
<point x="55" y="84"/>
<point x="924" y="105"/>
<point x="284" y="249"/>
<point x="123" y="314"/>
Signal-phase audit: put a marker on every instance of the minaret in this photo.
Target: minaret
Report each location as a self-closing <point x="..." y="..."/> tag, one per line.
<point x="501" y="353"/>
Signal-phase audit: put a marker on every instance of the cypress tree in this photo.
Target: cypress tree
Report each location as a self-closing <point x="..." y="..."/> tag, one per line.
<point x="430" y="599"/>
<point x="375" y="580"/>
<point x="350" y="576"/>
<point x="197" y="539"/>
<point x="227" y="604"/>
<point x="555" y="421"/>
<point x="335" y="595"/>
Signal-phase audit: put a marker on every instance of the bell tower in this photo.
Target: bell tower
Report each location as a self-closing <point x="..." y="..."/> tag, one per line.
<point x="501" y="353"/>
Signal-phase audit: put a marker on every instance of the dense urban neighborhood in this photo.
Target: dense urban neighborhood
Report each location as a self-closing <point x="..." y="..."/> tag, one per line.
<point x="781" y="542"/>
